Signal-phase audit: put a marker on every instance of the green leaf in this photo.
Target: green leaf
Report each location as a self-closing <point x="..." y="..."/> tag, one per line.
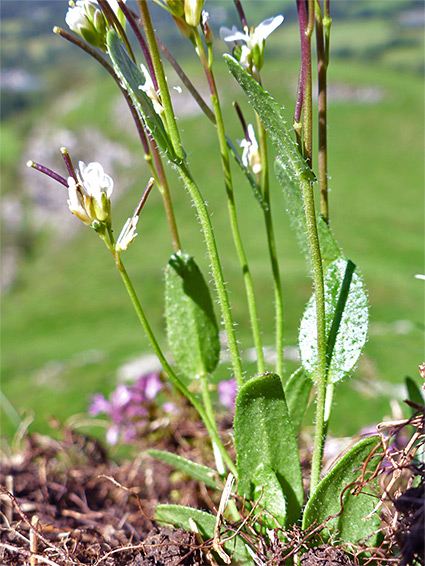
<point x="192" y="469"/>
<point x="290" y="167"/>
<point x="132" y="77"/>
<point x="192" y="328"/>
<point x="346" y="312"/>
<point x="297" y="394"/>
<point x="264" y="436"/>
<point x="334" y="489"/>
<point x="295" y="207"/>
<point x="180" y="516"/>
<point x="271" y="115"/>
<point x="414" y="393"/>
<point x="272" y="499"/>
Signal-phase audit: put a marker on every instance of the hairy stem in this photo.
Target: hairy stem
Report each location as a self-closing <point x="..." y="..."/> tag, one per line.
<point x="249" y="288"/>
<point x="174" y="379"/>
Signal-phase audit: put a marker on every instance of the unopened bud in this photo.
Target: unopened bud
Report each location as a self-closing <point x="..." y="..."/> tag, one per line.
<point x="192" y="11"/>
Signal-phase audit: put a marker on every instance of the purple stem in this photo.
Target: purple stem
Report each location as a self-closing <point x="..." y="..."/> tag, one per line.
<point x="242" y="119"/>
<point x="49" y="173"/>
<point x="241" y="13"/>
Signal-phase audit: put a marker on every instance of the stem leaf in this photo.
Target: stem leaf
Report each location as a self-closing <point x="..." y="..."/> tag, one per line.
<point x="265" y="442"/>
<point x="290" y="167"/>
<point x="192" y="328"/>
<point x="205" y="522"/>
<point x="335" y="490"/>
<point x="192" y="469"/>
<point x="132" y="78"/>
<point x="346" y="320"/>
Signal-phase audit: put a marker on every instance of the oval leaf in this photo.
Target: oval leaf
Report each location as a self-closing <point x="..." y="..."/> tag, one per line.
<point x="346" y="322"/>
<point x="264" y="436"/>
<point x="297" y="394"/>
<point x="192" y="469"/>
<point x="192" y="328"/>
<point x="205" y="522"/>
<point x="333" y="491"/>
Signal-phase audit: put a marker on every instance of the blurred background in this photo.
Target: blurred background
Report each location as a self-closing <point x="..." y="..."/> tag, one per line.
<point x="68" y="328"/>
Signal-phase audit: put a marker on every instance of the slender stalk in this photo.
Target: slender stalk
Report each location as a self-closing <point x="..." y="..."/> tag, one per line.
<point x="306" y="80"/>
<point x="316" y="260"/>
<point x="322" y="110"/>
<point x="225" y="161"/>
<point x="277" y="284"/>
<point x="194" y="192"/>
<point x="175" y="380"/>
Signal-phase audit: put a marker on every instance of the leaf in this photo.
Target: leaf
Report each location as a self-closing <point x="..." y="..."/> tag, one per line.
<point x="180" y="516"/>
<point x="264" y="436"/>
<point x="132" y="77"/>
<point x="271" y="116"/>
<point x="272" y="498"/>
<point x="192" y="469"/>
<point x="346" y="312"/>
<point x="334" y="489"/>
<point x="297" y="394"/>
<point x="414" y="393"/>
<point x="192" y="328"/>
<point x="295" y="207"/>
<point x="290" y="167"/>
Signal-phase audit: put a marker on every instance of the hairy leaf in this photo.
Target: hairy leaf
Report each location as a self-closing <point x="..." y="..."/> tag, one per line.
<point x="192" y="469"/>
<point x="132" y="78"/>
<point x="346" y="322"/>
<point x="338" y="491"/>
<point x="297" y="393"/>
<point x="290" y="167"/>
<point x="264" y="436"/>
<point x="205" y="522"/>
<point x="192" y="328"/>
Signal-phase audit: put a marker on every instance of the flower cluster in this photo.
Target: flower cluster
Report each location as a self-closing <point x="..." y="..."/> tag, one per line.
<point x="129" y="407"/>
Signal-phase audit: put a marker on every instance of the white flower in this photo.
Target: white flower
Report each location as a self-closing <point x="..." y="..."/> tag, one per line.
<point x="252" y="43"/>
<point x="192" y="11"/>
<point x="419" y="276"/>
<point x="86" y="19"/>
<point x="128" y="234"/>
<point x="89" y="198"/>
<point x="149" y="89"/>
<point x="251" y="155"/>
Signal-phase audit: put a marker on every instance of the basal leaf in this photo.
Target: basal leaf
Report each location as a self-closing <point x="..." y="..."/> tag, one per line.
<point x="414" y="392"/>
<point x="335" y="489"/>
<point x="271" y="498"/>
<point x="297" y="394"/>
<point x="264" y="436"/>
<point x="346" y="322"/>
<point x="192" y="328"/>
<point x="192" y="469"/>
<point x="205" y="522"/>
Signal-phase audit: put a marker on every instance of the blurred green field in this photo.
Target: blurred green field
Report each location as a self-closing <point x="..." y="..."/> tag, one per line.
<point x="67" y="324"/>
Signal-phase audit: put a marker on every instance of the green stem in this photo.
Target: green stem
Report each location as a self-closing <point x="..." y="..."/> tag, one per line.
<point x="217" y="272"/>
<point x="277" y="284"/>
<point x="194" y="192"/>
<point x="175" y="380"/>
<point x="322" y="111"/>
<point x="249" y="288"/>
<point x="316" y="259"/>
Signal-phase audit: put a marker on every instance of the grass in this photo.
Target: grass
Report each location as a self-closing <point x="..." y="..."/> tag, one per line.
<point x="68" y="324"/>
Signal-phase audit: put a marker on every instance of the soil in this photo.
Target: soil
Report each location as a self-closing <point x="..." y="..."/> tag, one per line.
<point x="66" y="503"/>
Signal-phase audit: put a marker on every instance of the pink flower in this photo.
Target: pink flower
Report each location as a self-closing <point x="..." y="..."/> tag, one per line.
<point x="227" y="391"/>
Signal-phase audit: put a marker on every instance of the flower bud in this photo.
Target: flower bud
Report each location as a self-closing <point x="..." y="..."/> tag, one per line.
<point x="85" y="19"/>
<point x="192" y="11"/>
